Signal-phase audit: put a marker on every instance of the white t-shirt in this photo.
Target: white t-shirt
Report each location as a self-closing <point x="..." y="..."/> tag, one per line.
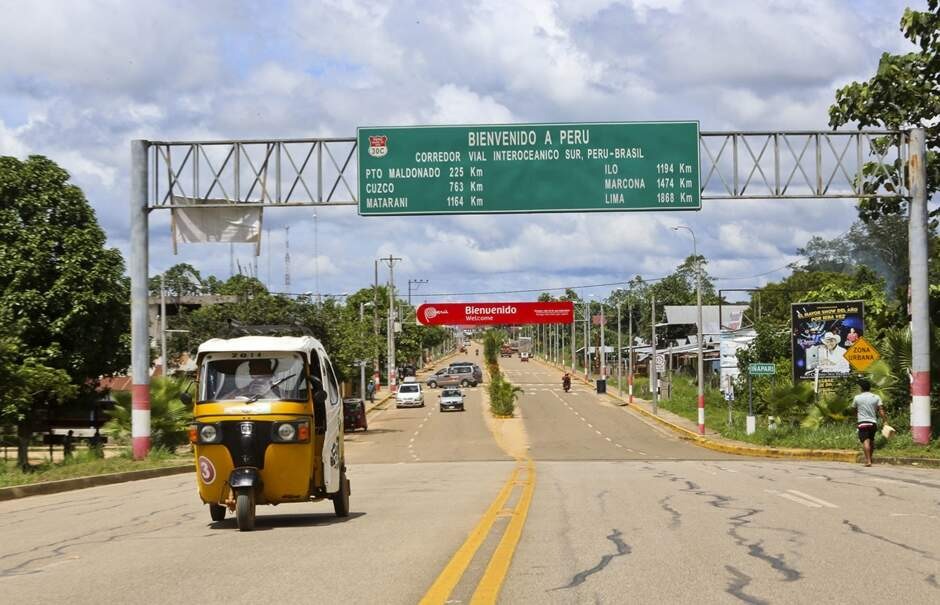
<point x="867" y="404"/>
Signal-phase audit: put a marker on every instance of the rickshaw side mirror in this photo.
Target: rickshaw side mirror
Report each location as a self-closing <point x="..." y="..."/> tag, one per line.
<point x="319" y="397"/>
<point x="186" y="398"/>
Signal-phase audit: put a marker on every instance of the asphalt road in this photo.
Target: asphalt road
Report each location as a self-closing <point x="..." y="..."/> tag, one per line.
<point x="619" y="512"/>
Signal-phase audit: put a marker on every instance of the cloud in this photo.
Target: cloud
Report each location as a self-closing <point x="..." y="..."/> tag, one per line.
<point x="102" y="73"/>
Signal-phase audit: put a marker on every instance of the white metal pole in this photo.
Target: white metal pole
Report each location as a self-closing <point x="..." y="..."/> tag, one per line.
<point x="140" y="333"/>
<point x="920" y="300"/>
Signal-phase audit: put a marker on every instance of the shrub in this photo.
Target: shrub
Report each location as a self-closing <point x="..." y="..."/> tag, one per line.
<point x="503" y="396"/>
<point x="169" y="417"/>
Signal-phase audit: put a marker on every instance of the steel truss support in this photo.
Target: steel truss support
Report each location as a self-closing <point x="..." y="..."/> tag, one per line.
<point x="323" y="172"/>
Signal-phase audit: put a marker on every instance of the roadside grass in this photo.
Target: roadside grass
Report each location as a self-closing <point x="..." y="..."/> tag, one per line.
<point x="85" y="464"/>
<point x="842" y="436"/>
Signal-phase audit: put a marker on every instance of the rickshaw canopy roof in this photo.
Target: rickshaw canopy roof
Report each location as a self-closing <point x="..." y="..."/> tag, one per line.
<point x="273" y="344"/>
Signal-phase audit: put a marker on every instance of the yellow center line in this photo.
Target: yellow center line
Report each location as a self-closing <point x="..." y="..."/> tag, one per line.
<point x="455" y="568"/>
<point x="488" y="589"/>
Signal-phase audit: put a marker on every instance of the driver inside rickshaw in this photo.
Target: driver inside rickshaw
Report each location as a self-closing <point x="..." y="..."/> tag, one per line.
<point x="262" y="384"/>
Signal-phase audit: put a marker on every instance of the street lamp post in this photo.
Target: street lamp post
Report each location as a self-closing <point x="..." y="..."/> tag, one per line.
<point x="701" y="336"/>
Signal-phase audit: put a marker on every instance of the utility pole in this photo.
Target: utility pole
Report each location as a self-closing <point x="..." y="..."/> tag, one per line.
<point x="654" y="374"/>
<point x="619" y="353"/>
<point x="920" y="299"/>
<point x="603" y="351"/>
<point x="163" y="324"/>
<point x="392" y="368"/>
<point x="574" y="327"/>
<point x="375" y="327"/>
<point x="362" y="362"/>
<point x="287" y="256"/>
<point x="587" y="334"/>
<point x="630" y="351"/>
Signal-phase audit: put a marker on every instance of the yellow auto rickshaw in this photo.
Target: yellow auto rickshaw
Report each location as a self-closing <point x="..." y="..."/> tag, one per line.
<point x="268" y="426"/>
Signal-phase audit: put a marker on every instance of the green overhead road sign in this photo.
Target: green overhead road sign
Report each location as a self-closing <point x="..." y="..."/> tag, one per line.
<point x="529" y="168"/>
<point x="762" y="369"/>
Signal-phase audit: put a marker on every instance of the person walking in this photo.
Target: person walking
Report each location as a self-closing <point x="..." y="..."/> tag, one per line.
<point x="867" y="405"/>
<point x="370" y="391"/>
<point x="68" y="445"/>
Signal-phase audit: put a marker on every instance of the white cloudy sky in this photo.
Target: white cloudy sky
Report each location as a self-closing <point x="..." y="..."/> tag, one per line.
<point x="79" y="80"/>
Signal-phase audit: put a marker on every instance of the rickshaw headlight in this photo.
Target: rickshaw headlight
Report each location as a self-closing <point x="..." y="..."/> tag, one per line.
<point x="286" y="432"/>
<point x="208" y="433"/>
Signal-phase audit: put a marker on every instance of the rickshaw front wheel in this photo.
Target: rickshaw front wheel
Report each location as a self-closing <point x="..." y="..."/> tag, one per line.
<point x="341" y="498"/>
<point x="217" y="512"/>
<point x="245" y="510"/>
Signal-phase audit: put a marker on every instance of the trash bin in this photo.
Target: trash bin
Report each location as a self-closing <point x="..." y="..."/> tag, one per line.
<point x="601" y="385"/>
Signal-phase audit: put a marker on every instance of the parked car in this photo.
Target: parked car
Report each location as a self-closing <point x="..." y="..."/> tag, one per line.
<point x="451" y="399"/>
<point x="453" y="376"/>
<point x="354" y="414"/>
<point x="409" y="395"/>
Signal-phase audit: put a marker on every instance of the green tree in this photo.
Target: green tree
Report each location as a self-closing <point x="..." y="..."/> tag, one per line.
<point x="902" y="94"/>
<point x="59" y="285"/>
<point x="179" y="280"/>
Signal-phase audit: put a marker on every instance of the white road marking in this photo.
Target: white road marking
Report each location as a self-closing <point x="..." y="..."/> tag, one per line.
<point x="793" y="498"/>
<point x="618" y="445"/>
<point x="641" y="453"/>
<point x="583" y="419"/>
<point x="608" y="439"/>
<point x="596" y="431"/>
<point x="819" y="501"/>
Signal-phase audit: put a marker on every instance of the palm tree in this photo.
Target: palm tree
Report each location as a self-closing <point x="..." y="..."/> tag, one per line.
<point x="169" y="417"/>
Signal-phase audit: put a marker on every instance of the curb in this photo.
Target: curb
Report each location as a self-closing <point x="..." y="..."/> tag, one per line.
<point x="922" y="462"/>
<point x="736" y="448"/>
<point x="65" y="485"/>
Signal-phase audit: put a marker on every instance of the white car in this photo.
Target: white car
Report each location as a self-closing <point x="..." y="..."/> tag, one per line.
<point x="409" y="395"/>
<point x="451" y="399"/>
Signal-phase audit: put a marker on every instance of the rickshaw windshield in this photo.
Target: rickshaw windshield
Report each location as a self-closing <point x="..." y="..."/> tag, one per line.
<point x="269" y="376"/>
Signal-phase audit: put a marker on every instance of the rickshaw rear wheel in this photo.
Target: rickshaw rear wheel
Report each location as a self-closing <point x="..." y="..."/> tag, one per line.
<point x="245" y="510"/>
<point x="341" y="498"/>
<point x="217" y="512"/>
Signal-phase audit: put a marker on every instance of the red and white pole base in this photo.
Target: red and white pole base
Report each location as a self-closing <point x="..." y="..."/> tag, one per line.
<point x="701" y="414"/>
<point x="140" y="420"/>
<point x="920" y="407"/>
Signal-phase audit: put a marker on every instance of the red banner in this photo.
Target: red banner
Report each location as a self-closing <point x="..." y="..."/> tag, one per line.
<point x="485" y="314"/>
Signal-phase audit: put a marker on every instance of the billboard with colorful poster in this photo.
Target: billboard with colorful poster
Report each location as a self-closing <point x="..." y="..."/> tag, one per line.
<point x="822" y="332"/>
<point x="486" y="314"/>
